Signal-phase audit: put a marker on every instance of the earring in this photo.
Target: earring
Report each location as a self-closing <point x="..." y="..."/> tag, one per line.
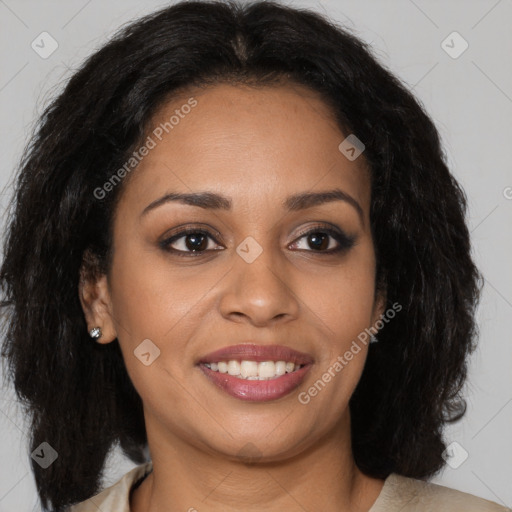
<point x="95" y="333"/>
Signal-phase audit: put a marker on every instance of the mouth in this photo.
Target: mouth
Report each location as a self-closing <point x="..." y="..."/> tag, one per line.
<point x="256" y="372"/>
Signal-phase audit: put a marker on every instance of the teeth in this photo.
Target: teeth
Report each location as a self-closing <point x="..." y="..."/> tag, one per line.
<point x="280" y="368"/>
<point x="234" y="368"/>
<point x="267" y="369"/>
<point x="253" y="370"/>
<point x="248" y="369"/>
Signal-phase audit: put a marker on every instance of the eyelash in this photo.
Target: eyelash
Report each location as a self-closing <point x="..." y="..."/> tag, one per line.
<point x="345" y="242"/>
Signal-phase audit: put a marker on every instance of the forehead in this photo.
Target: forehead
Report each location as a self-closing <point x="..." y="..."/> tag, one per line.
<point x="247" y="143"/>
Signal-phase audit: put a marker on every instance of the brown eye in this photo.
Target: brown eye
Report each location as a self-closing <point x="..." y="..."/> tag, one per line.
<point x="318" y="240"/>
<point x="189" y="241"/>
<point x="324" y="240"/>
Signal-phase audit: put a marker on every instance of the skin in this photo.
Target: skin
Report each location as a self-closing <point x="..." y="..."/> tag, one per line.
<point x="256" y="146"/>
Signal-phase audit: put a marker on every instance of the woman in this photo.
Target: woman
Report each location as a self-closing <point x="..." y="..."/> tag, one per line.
<point x="236" y="245"/>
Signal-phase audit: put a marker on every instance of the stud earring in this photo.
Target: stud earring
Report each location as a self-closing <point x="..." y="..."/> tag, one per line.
<point x="95" y="333"/>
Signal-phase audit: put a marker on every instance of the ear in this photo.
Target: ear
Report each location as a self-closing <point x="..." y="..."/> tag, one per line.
<point x="94" y="294"/>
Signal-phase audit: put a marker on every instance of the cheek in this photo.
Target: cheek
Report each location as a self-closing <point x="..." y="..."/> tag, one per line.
<point x="148" y="296"/>
<point x="342" y="297"/>
<point x="151" y="308"/>
<point x="342" y="303"/>
<point x="164" y="303"/>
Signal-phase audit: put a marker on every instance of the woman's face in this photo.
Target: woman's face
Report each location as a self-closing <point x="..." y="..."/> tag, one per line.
<point x="254" y="278"/>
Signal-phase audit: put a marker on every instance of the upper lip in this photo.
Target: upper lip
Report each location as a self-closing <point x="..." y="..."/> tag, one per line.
<point x="254" y="352"/>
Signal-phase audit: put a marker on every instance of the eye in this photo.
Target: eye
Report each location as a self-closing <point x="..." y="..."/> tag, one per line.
<point x="324" y="239"/>
<point x="193" y="241"/>
<point x="189" y="242"/>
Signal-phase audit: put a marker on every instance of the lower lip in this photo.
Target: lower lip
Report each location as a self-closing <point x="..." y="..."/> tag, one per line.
<point x="257" y="390"/>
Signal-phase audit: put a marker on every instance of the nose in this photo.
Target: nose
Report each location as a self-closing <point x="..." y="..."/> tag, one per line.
<point x="259" y="292"/>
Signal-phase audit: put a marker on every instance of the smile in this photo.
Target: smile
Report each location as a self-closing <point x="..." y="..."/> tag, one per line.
<point x="255" y="388"/>
<point x="254" y="370"/>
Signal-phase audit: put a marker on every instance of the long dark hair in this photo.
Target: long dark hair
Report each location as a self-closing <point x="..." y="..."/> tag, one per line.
<point x="77" y="393"/>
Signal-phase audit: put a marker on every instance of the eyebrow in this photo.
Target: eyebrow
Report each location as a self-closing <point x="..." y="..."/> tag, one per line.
<point x="214" y="201"/>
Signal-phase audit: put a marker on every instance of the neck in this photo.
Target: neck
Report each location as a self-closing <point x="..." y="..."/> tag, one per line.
<point x="321" y="477"/>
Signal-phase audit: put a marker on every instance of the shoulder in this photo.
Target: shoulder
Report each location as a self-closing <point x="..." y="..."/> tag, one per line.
<point x="115" y="498"/>
<point x="409" y="494"/>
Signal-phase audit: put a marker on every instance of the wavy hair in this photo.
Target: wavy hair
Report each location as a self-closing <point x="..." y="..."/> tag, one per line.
<point x="77" y="393"/>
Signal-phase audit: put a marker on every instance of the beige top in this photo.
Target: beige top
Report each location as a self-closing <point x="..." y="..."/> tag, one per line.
<point x="399" y="493"/>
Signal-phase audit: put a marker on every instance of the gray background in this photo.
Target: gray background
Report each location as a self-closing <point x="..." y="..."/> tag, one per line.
<point x="470" y="100"/>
